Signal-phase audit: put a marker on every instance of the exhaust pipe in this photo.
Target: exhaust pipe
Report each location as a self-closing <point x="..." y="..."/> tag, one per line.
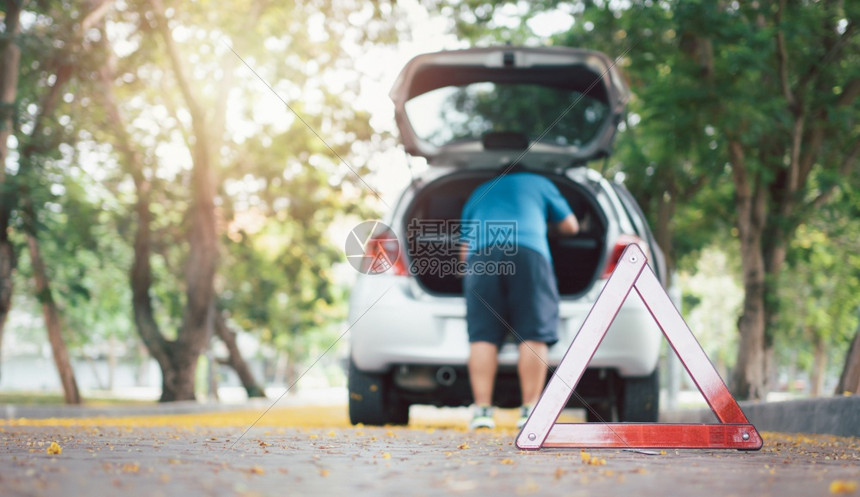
<point x="446" y="376"/>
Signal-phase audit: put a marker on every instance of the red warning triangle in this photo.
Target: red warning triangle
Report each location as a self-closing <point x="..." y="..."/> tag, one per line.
<point x="632" y="273"/>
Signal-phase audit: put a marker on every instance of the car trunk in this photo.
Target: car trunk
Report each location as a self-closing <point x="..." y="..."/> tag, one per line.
<point x="431" y="235"/>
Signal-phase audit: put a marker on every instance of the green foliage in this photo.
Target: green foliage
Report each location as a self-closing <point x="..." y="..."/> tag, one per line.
<point x="281" y="181"/>
<point x="56" y="170"/>
<point x="821" y="284"/>
<point x="283" y="185"/>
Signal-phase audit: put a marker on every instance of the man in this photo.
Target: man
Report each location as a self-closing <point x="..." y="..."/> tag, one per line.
<point x="525" y="302"/>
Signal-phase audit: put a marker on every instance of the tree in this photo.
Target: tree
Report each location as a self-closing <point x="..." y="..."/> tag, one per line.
<point x="821" y="285"/>
<point x="849" y="380"/>
<point x="221" y="155"/>
<point x="766" y="91"/>
<point x="24" y="192"/>
<point x="773" y="154"/>
<point x="177" y="358"/>
<point x="10" y="55"/>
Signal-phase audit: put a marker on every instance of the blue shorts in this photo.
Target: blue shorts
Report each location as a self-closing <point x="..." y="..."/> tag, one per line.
<point x="514" y="294"/>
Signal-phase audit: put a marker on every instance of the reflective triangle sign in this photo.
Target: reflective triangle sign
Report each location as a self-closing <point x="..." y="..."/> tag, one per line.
<point x="632" y="273"/>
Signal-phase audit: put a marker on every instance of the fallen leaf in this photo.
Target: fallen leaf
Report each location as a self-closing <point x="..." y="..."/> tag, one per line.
<point x="54" y="449"/>
<point x="463" y="446"/>
<point x="507" y="461"/>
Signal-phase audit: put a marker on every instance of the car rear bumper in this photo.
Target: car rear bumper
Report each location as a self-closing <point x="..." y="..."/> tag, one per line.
<point x="390" y="326"/>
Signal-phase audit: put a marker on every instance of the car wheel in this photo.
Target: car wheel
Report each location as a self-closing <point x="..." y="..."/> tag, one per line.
<point x="371" y="402"/>
<point x="639" y="399"/>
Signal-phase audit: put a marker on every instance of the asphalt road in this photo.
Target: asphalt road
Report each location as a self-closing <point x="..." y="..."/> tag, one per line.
<point x="136" y="458"/>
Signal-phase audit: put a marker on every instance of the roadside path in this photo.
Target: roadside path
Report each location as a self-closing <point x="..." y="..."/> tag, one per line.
<point x="313" y="451"/>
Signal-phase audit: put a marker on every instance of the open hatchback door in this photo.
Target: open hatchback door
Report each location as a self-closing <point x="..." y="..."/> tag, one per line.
<point x="481" y="107"/>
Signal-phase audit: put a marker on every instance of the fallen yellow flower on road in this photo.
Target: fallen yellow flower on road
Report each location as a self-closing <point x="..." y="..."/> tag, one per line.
<point x="591" y="460"/>
<point x="843" y="487"/>
<point x="54" y="449"/>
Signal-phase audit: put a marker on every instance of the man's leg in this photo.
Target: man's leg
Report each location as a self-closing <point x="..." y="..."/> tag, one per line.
<point x="532" y="369"/>
<point x="483" y="363"/>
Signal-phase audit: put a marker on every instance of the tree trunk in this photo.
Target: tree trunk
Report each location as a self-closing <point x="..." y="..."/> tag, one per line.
<point x="177" y="360"/>
<point x="292" y="372"/>
<point x="849" y="380"/>
<point x="7" y="267"/>
<point x="177" y="380"/>
<point x="819" y="366"/>
<point x="10" y="56"/>
<point x="111" y="363"/>
<point x="29" y="216"/>
<point x="12" y="196"/>
<point x="52" y="323"/>
<point x="203" y="242"/>
<point x="212" y="373"/>
<point x="665" y="231"/>
<point x="748" y="377"/>
<point x="141" y="370"/>
<point x="235" y="359"/>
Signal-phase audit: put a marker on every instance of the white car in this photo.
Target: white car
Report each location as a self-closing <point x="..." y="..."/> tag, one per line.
<point x="469" y="112"/>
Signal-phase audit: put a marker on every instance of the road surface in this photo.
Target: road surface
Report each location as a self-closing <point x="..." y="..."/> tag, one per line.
<point x="316" y="452"/>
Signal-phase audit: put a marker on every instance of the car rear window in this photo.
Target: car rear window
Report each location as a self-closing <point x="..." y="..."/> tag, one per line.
<point x="559" y="116"/>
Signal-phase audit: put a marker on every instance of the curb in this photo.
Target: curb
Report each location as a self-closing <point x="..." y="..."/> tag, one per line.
<point x="14" y="411"/>
<point x="828" y="416"/>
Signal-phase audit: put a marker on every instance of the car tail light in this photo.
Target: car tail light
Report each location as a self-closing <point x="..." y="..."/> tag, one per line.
<point x="621" y="243"/>
<point x="383" y="254"/>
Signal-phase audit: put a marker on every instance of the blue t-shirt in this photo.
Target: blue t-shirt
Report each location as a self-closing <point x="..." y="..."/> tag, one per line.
<point x="513" y="209"/>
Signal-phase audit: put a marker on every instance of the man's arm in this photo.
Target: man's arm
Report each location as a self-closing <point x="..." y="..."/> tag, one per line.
<point x="568" y="226"/>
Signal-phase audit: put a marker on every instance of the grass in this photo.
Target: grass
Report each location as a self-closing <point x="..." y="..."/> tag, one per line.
<point x="54" y="399"/>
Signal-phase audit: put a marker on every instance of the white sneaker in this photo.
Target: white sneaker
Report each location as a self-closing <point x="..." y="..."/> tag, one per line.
<point x="482" y="417"/>
<point x="525" y="412"/>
